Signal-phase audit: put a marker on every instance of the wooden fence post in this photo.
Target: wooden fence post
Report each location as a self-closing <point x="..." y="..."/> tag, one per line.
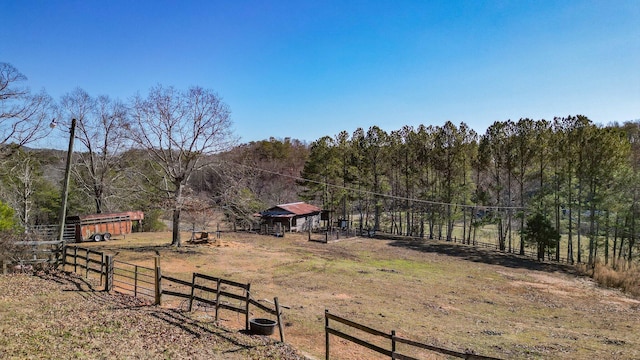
<point x="280" y="326"/>
<point x="86" y="273"/>
<point x="135" y="281"/>
<point x="158" y="281"/>
<point x="108" y="284"/>
<point x="102" y="269"/>
<point x="75" y="259"/>
<point x="393" y="344"/>
<point x="59" y="252"/>
<point x="326" y="334"/>
<point x="193" y="288"/>
<point x="64" y="256"/>
<point x="246" y="323"/>
<point x="218" y="286"/>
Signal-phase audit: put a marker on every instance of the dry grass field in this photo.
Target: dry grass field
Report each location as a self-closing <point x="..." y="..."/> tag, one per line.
<point x="438" y="293"/>
<point x="54" y="315"/>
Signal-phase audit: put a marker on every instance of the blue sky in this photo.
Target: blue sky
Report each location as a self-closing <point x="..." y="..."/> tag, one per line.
<point x="305" y="69"/>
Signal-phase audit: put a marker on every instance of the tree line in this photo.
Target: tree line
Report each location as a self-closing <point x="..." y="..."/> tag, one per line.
<point x="140" y="153"/>
<point x="169" y="152"/>
<point x="567" y="175"/>
<point x="174" y="151"/>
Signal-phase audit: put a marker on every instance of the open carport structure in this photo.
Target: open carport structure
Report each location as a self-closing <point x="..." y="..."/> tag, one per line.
<point x="292" y="217"/>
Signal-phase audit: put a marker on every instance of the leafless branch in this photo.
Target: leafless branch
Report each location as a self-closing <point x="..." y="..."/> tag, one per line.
<point x="23" y="116"/>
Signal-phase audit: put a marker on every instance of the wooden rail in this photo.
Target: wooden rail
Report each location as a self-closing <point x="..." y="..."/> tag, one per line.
<point x="277" y="230"/>
<point x="332" y="235"/>
<point x="391" y="351"/>
<point x="134" y="279"/>
<point x="213" y="287"/>
<point x="515" y="249"/>
<point x="35" y="253"/>
<point x="205" y="288"/>
<point x="145" y="281"/>
<point x="90" y="261"/>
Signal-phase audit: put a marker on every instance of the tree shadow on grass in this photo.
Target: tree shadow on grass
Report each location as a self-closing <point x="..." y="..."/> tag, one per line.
<point x="74" y="282"/>
<point x="237" y="340"/>
<point x="160" y="249"/>
<point x="484" y="256"/>
<point x="232" y="342"/>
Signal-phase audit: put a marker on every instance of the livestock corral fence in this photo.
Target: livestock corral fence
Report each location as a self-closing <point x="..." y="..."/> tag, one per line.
<point x="512" y="248"/>
<point x="218" y="294"/>
<point x="317" y="235"/>
<point x="331" y="235"/>
<point x="149" y="283"/>
<point x="390" y="348"/>
<point x="27" y="254"/>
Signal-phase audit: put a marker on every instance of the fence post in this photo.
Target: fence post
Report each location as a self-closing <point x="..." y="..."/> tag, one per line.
<point x="246" y="322"/>
<point x="57" y="248"/>
<point x="135" y="281"/>
<point x="102" y="269"/>
<point x="64" y="256"/>
<point x="218" y="286"/>
<point x="75" y="259"/>
<point x="393" y="344"/>
<point x="326" y="333"/>
<point x="280" y="328"/>
<point x="193" y="288"/>
<point x="158" y="281"/>
<point x="108" y="284"/>
<point x="86" y="272"/>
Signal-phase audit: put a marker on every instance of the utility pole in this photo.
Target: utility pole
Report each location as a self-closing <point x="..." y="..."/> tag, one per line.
<point x="67" y="175"/>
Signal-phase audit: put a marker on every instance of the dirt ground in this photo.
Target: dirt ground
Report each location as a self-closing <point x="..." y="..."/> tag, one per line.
<point x="55" y="315"/>
<point x="438" y="293"/>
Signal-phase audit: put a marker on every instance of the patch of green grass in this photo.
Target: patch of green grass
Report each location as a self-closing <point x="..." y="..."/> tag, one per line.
<point x="425" y="291"/>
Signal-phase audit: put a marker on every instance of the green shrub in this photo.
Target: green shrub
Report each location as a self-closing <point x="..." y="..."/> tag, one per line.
<point x="541" y="233"/>
<point x="7" y="218"/>
<point x="152" y="222"/>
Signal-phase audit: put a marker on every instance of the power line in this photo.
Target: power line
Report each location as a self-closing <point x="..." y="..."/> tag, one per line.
<point x="428" y="202"/>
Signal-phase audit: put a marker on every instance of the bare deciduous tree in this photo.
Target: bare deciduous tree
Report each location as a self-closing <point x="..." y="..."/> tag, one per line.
<point x="198" y="211"/>
<point x="180" y="130"/>
<point x="99" y="130"/>
<point x="19" y="176"/>
<point x="229" y="185"/>
<point x="23" y="116"/>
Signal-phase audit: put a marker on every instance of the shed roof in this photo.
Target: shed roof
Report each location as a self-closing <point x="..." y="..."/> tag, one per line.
<point x="291" y="210"/>
<point x="300" y="208"/>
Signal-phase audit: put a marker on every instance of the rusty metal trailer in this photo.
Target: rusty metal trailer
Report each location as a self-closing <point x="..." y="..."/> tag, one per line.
<point x="99" y="227"/>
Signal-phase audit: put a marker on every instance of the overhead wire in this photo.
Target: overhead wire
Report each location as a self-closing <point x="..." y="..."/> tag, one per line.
<point x="396" y="197"/>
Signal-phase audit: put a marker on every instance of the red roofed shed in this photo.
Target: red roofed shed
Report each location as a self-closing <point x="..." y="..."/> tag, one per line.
<point x="298" y="216"/>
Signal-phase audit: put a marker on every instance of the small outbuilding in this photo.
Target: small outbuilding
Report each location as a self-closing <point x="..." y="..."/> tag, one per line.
<point x="293" y="217"/>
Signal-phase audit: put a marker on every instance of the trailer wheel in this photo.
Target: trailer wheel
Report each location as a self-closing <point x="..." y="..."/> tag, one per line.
<point x="107" y="236"/>
<point x="97" y="237"/>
